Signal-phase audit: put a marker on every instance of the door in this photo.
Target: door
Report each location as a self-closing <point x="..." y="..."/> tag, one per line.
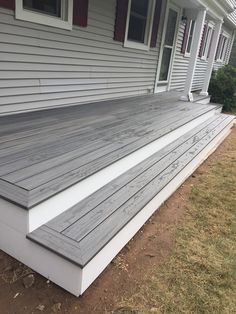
<point x="167" y="48"/>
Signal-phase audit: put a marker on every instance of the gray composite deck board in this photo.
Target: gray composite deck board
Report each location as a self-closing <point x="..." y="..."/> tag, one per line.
<point x="62" y="182"/>
<point x="93" y="222"/>
<point x="64" y="144"/>
<point x="116" y="142"/>
<point x="83" y="132"/>
<point x="78" y="211"/>
<point x="35" y="145"/>
<point x="43" y="153"/>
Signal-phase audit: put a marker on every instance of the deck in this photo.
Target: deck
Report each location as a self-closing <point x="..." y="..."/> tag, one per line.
<point x="77" y="183"/>
<point x="43" y="153"/>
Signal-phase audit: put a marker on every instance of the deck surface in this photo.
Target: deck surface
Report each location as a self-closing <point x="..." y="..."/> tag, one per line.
<point x="45" y="152"/>
<point x="82" y="231"/>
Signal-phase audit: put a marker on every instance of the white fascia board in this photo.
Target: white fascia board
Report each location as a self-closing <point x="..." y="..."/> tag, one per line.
<point x="214" y="8"/>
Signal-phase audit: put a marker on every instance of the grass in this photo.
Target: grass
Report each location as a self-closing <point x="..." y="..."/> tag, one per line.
<point x="200" y="275"/>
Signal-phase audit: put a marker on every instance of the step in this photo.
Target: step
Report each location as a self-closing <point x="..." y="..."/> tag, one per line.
<point x="201" y="99"/>
<point x="80" y="177"/>
<point x="88" y="236"/>
<point x="29" y="185"/>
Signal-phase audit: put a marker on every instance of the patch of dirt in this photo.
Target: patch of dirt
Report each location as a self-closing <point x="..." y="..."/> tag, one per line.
<point x="151" y="246"/>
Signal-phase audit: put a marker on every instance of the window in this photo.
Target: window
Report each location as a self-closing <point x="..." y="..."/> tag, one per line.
<point x="222" y="48"/>
<point x="56" y="13"/>
<point x="206" y="44"/>
<point x="139" y="24"/>
<point x="190" y="37"/>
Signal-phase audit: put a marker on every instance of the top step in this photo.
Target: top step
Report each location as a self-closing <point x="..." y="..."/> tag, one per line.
<point x="42" y="155"/>
<point x="81" y="232"/>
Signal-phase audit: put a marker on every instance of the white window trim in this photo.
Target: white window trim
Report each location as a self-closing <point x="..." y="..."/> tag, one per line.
<point x="207" y="41"/>
<point x="40" y="18"/>
<point x="186" y="53"/>
<point x="133" y="44"/>
<point x="223" y="49"/>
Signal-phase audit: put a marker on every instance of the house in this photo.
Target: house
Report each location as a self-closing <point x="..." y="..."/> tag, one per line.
<point x="104" y="112"/>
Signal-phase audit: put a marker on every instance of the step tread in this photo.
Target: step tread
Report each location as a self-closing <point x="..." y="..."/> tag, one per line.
<point x="82" y="231"/>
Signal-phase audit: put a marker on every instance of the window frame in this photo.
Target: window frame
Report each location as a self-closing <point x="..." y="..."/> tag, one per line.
<point x="150" y="17"/>
<point x="188" y="53"/>
<point x="222" y="47"/>
<point x="207" y="41"/>
<point x="65" y="22"/>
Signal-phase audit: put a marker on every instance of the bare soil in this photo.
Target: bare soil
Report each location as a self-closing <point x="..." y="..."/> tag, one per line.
<point x="151" y="247"/>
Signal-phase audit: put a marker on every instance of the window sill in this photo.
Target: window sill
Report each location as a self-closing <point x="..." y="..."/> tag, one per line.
<point x="134" y="45"/>
<point x="43" y="20"/>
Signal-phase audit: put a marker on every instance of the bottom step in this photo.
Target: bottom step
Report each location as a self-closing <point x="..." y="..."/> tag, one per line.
<point x="75" y="247"/>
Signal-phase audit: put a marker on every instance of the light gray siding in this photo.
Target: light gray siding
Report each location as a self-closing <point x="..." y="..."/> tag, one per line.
<point x="180" y="67"/>
<point x="199" y="74"/>
<point x="180" y="63"/>
<point x="232" y="16"/>
<point x="41" y="66"/>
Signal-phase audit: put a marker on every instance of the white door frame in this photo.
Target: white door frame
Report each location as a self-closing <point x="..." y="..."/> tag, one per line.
<point x="165" y="85"/>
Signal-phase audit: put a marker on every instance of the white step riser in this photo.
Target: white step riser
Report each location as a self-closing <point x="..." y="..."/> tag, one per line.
<point x="59" y="203"/>
<point x="72" y="278"/>
<point x="14" y="216"/>
<point x="41" y="260"/>
<point x="204" y="101"/>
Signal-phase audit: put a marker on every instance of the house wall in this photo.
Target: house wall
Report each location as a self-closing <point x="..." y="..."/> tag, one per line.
<point x="180" y="63"/>
<point x="199" y="74"/>
<point x="42" y="66"/>
<point x="180" y="67"/>
<point x="201" y="66"/>
<point x="218" y="65"/>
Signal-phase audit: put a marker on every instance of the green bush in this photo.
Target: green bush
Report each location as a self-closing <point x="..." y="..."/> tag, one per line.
<point x="223" y="87"/>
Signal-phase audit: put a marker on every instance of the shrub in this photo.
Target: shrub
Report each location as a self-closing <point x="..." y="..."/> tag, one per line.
<point x="223" y="87"/>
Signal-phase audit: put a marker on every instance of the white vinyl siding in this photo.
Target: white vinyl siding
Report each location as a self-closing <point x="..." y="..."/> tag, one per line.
<point x="232" y="17"/>
<point x="180" y="63"/>
<point x="43" y="67"/>
<point x="200" y="70"/>
<point x="199" y="74"/>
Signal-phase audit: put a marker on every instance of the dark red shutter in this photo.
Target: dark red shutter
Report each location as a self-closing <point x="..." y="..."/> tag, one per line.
<point x="80" y="13"/>
<point x="8" y="4"/>
<point x="156" y="21"/>
<point x="121" y="18"/>
<point x="205" y="29"/>
<point x="185" y="38"/>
